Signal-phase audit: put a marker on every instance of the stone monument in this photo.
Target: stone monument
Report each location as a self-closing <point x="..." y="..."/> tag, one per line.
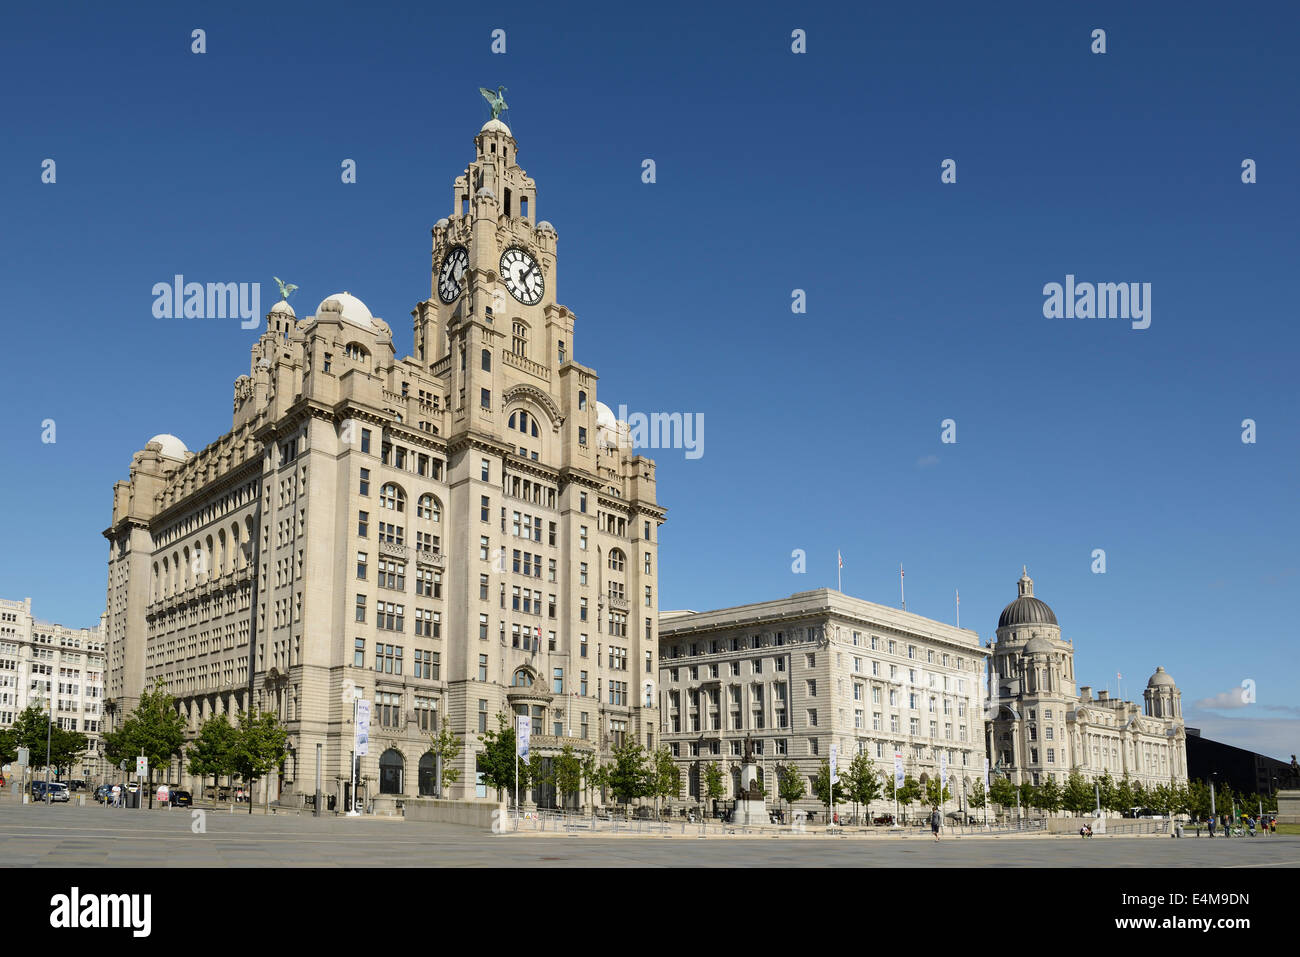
<point x="751" y="805"/>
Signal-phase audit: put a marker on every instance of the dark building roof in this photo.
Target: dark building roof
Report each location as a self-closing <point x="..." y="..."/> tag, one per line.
<point x="1027" y="611"/>
<point x="1247" y="772"/>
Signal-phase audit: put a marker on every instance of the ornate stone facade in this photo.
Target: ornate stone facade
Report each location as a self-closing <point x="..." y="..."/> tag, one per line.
<point x="457" y="533"/>
<point x="1041" y="725"/>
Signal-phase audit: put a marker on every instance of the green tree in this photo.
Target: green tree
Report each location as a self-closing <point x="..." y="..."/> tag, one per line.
<point x="66" y="748"/>
<point x="790" y="786"/>
<point x="568" y="773"/>
<point x="1002" y="793"/>
<point x="933" y="797"/>
<point x="8" y="746"/>
<point x="590" y="774"/>
<point x="821" y="789"/>
<point x="627" y="777"/>
<point x="497" y="761"/>
<point x="977" y="798"/>
<point x="663" y="778"/>
<point x="908" y="793"/>
<point x="861" y="782"/>
<point x="1077" y="797"/>
<point x="1125" y="797"/>
<point x="1028" y="794"/>
<point x="1109" y="793"/>
<point x="446" y="745"/>
<point x="259" y="748"/>
<point x="211" y="752"/>
<point x="714" y="785"/>
<point x="154" y="729"/>
<point x="1049" y="796"/>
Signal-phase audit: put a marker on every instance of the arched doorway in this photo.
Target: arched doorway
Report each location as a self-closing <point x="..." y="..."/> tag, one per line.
<point x="428" y="775"/>
<point x="391" y="767"/>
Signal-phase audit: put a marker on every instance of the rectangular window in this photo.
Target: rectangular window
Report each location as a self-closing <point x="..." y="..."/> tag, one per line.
<point x="484" y="509"/>
<point x="361" y="608"/>
<point x="557" y="681"/>
<point x="365" y="481"/>
<point x="361" y="566"/>
<point x="482" y="667"/>
<point x="365" y="441"/>
<point x="485" y="470"/>
<point x="482" y="587"/>
<point x="359" y="653"/>
<point x="485" y="398"/>
<point x="482" y="714"/>
<point x="363" y="524"/>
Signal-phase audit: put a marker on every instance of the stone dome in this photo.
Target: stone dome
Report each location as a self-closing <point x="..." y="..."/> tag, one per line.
<point x="282" y="308"/>
<point x="1038" y="644"/>
<point x="352" y="308"/>
<point x="1026" y="609"/>
<point x="1161" y="678"/>
<point x="496" y="126"/>
<point x="172" y="447"/>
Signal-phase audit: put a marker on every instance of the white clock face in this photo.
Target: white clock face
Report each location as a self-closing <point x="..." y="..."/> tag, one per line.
<point x="452" y="274"/>
<point x="522" y="275"/>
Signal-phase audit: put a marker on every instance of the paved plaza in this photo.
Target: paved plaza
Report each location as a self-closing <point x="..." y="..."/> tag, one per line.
<point x="94" y="836"/>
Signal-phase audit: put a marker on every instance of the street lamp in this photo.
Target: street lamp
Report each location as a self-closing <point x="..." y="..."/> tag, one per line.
<point x="49" y="724"/>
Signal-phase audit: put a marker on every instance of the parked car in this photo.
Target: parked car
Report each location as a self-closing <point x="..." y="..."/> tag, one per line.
<point x="883" y="819"/>
<point x="56" y="790"/>
<point x="178" y="798"/>
<point x="104" y="793"/>
<point x="77" y="785"/>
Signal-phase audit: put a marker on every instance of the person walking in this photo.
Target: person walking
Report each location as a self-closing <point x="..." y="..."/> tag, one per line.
<point x="934" y="823"/>
<point x="1211" y="828"/>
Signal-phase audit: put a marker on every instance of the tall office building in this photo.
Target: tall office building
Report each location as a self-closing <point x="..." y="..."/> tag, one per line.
<point x="42" y="663"/>
<point x="454" y="534"/>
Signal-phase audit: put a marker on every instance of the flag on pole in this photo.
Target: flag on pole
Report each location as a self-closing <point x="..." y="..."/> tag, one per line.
<point x="841" y="558"/>
<point x="898" y="769"/>
<point x="835" y="777"/>
<point x="986" y="775"/>
<point x="943" y="772"/>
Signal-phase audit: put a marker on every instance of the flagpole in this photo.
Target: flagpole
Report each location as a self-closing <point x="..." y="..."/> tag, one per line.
<point x="958" y="608"/>
<point x="901" y="593"/>
<point x="839" y="573"/>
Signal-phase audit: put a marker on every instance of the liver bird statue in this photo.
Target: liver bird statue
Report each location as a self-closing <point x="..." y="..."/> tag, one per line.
<point x="495" y="100"/>
<point x="286" y="288"/>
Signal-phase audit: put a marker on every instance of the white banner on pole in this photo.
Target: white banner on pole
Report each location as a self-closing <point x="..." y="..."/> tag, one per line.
<point x="363" y="727"/>
<point x="898" y="769"/>
<point x="523" y="728"/>
<point x="834" y="773"/>
<point x="943" y="772"/>
<point x="986" y="776"/>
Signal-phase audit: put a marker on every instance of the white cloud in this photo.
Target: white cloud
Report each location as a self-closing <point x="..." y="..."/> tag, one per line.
<point x="1275" y="737"/>
<point x="1225" y="700"/>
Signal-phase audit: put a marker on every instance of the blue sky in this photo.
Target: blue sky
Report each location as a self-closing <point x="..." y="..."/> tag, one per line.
<point x="775" y="172"/>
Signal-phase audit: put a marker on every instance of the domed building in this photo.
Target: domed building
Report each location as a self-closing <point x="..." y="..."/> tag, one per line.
<point x="1040" y="724"/>
<point x="455" y="534"/>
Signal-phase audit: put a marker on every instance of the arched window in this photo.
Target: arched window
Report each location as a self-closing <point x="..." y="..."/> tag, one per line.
<point x="519" y="339"/>
<point x="427" y="781"/>
<point x="391" y="766"/>
<point x="392" y="497"/>
<point x="429" y="507"/>
<point x="582" y="402"/>
<point x="616" y="560"/>
<point x="522" y="679"/>
<point x="355" y="350"/>
<point x="487" y="360"/>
